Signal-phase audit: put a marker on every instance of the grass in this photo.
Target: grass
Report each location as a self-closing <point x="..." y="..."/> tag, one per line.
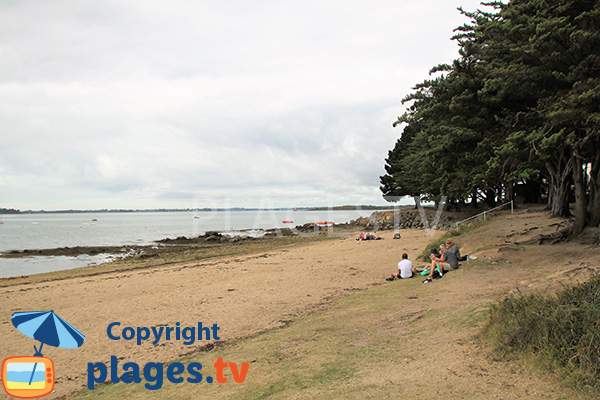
<point x="560" y="332"/>
<point x="469" y="316"/>
<point x="345" y="351"/>
<point x="463" y="231"/>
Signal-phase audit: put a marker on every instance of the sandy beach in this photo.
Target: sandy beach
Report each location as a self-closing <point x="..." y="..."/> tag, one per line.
<point x="242" y="295"/>
<point x="245" y="295"/>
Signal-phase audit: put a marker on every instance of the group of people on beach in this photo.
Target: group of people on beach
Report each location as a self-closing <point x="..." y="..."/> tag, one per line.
<point x="368" y="236"/>
<point x="445" y="260"/>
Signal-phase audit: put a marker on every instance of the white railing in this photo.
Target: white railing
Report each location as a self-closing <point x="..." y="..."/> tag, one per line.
<point x="512" y="210"/>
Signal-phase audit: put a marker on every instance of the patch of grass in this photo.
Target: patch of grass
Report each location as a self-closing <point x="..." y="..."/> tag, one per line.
<point x="469" y="316"/>
<point x="345" y="351"/>
<point x="356" y="348"/>
<point x="467" y="229"/>
<point x="435" y="244"/>
<point x="561" y="331"/>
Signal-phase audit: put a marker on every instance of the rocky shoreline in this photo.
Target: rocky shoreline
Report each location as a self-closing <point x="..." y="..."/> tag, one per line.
<point x="377" y="221"/>
<point x="402" y="219"/>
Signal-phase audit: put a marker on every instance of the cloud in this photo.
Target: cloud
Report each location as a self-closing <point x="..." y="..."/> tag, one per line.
<point x="146" y="104"/>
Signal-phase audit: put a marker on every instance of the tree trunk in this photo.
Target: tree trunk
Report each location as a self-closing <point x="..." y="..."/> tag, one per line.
<point x="510" y="192"/>
<point x="594" y="201"/>
<point x="490" y="197"/>
<point x="560" y="182"/>
<point x="580" y="202"/>
<point x="532" y="191"/>
<point x="417" y="202"/>
<point x="559" y="197"/>
<point x="474" y="200"/>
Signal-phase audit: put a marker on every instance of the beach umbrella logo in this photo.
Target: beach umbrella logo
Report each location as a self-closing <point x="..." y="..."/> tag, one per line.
<point x="32" y="377"/>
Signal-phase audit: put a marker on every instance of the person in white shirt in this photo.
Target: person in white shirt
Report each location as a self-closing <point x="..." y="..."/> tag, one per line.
<point x="406" y="269"/>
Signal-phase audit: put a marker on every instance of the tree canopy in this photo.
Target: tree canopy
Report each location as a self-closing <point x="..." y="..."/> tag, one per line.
<point x="521" y="105"/>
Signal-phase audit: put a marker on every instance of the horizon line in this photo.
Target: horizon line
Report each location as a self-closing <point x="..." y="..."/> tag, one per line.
<point x="5" y="211"/>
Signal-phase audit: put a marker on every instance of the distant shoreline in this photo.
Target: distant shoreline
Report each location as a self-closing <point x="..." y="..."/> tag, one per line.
<point x="4" y="211"/>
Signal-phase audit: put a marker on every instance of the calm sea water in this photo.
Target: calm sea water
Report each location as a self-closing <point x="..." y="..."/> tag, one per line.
<point x="44" y="231"/>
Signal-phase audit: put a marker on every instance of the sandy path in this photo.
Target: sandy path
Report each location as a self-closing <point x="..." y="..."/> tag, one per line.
<point x="242" y="295"/>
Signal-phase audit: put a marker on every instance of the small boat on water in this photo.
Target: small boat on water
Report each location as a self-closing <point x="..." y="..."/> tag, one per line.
<point x="288" y="222"/>
<point x="94" y="219"/>
<point x="325" y="223"/>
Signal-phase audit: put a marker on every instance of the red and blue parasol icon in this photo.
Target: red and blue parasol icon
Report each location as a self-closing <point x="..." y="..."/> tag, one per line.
<point x="48" y="328"/>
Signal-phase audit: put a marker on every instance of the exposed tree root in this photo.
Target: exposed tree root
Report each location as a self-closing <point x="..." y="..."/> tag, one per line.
<point x="562" y="235"/>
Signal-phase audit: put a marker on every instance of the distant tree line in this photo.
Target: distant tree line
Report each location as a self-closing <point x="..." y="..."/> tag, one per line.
<point x="9" y="211"/>
<point x="518" y="110"/>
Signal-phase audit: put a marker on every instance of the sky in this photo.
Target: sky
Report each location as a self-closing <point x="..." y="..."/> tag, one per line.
<point x="182" y="104"/>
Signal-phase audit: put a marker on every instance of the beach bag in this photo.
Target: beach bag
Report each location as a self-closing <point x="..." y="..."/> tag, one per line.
<point x="396" y="236"/>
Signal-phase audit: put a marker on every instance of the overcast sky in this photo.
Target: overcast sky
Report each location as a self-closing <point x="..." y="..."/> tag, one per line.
<point x="149" y="104"/>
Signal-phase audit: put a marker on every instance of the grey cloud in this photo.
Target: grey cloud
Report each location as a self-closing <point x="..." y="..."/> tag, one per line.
<point x="106" y="104"/>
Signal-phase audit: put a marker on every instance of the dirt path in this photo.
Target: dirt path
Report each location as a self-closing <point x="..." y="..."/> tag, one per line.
<point x="250" y="294"/>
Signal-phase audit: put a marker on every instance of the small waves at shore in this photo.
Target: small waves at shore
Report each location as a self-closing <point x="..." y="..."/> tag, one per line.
<point x="11" y="267"/>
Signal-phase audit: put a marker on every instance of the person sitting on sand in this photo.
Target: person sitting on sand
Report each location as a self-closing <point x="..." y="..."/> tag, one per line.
<point x="372" y="236"/>
<point x="446" y="261"/>
<point x="368" y="236"/>
<point x="406" y="269"/>
<point x="453" y="248"/>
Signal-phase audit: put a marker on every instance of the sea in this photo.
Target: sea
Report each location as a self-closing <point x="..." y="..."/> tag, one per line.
<point x="54" y="230"/>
